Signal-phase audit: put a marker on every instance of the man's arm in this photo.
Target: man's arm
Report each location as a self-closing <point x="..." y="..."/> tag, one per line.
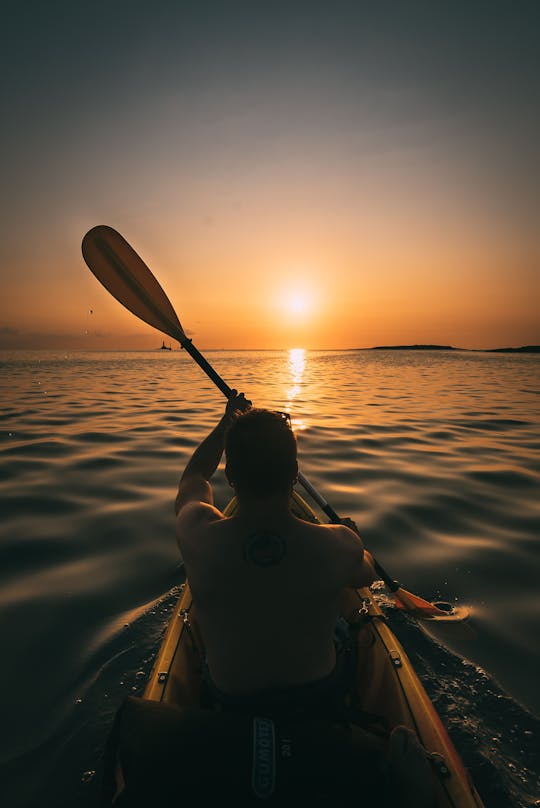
<point x="363" y="571"/>
<point x="194" y="484"/>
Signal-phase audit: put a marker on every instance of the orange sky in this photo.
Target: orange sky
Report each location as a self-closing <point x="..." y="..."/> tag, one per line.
<point x="390" y="189"/>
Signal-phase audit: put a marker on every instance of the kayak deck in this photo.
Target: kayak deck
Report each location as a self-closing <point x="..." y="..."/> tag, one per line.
<point x="385" y="683"/>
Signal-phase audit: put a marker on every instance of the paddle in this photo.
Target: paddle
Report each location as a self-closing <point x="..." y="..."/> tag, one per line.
<point x="125" y="275"/>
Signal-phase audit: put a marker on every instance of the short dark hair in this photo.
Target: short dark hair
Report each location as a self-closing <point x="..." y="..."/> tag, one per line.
<point x="260" y="448"/>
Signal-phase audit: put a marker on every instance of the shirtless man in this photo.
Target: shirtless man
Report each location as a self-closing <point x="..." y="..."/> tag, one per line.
<point x="266" y="585"/>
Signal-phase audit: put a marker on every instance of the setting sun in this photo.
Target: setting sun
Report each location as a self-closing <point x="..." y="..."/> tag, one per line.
<point x="297" y="303"/>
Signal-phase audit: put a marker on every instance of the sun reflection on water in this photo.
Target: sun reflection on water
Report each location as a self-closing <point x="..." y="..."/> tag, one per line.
<point x="297" y="364"/>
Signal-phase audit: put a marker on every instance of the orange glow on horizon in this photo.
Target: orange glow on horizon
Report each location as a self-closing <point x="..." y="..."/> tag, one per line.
<point x="238" y="293"/>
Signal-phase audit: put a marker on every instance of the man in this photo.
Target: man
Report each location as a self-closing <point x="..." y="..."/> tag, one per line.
<point x="266" y="584"/>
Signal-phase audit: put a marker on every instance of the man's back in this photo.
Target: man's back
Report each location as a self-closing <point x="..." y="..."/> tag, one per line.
<point x="267" y="598"/>
<point x="266" y="585"/>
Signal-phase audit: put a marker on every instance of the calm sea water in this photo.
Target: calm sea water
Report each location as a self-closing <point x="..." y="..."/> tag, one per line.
<point x="436" y="456"/>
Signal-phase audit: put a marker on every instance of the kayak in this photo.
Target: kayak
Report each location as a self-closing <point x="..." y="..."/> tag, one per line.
<point x="173" y="745"/>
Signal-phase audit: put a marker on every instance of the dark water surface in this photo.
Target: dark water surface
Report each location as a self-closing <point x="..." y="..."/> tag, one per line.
<point x="436" y="455"/>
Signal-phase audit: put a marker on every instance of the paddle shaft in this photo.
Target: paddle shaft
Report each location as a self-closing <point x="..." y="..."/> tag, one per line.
<point x="188" y="345"/>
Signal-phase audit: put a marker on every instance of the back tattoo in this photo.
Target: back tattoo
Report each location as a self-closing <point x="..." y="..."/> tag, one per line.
<point x="264" y="549"/>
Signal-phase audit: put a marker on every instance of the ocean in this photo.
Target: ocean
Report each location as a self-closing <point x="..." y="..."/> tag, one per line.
<point x="435" y="454"/>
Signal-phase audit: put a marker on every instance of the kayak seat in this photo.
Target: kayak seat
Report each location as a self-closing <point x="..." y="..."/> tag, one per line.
<point x="158" y="752"/>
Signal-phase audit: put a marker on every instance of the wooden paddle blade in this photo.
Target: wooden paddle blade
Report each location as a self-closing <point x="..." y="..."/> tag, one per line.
<point x="416" y="605"/>
<point x="125" y="275"/>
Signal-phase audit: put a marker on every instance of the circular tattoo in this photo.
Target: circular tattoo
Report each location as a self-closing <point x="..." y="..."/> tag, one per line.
<point x="264" y="549"/>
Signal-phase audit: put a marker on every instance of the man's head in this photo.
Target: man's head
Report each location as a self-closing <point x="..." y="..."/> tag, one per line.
<point x="260" y="448"/>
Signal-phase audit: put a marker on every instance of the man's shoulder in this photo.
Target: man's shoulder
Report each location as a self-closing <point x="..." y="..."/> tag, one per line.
<point x="331" y="529"/>
<point x="338" y="536"/>
<point x="196" y="515"/>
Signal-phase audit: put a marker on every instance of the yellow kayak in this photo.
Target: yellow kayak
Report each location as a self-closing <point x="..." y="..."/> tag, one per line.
<point x="385" y="693"/>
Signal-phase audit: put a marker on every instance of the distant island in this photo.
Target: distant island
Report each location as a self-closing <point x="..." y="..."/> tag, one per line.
<point x="414" y="348"/>
<point x="522" y="349"/>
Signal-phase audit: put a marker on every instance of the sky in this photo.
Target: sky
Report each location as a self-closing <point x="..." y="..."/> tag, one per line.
<point x="296" y="174"/>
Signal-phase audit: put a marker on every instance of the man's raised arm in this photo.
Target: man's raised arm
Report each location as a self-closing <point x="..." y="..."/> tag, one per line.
<point x="194" y="484"/>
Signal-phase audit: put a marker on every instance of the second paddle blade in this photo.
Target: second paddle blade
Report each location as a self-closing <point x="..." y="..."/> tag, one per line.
<point x="415" y="605"/>
<point x="125" y="275"/>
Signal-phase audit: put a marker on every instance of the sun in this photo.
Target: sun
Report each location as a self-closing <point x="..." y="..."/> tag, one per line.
<point x="297" y="304"/>
<point x="296" y="301"/>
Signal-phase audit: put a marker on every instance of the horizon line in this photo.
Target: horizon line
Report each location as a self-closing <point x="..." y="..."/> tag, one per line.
<point x="410" y="346"/>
